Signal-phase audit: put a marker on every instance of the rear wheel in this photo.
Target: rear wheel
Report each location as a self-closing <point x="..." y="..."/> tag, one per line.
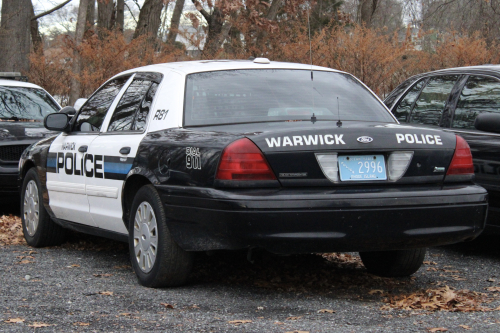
<point x="157" y="260"/>
<point x="393" y="263"/>
<point x="39" y="230"/>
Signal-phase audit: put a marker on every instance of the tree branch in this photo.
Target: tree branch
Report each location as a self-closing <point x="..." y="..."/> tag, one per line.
<point x="200" y="8"/>
<point x="131" y="13"/>
<point x="50" y="11"/>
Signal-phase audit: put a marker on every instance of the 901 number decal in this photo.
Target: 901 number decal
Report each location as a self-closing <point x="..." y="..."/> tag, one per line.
<point x="193" y="158"/>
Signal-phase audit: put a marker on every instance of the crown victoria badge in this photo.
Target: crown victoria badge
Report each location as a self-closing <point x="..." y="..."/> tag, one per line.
<point x="365" y="139"/>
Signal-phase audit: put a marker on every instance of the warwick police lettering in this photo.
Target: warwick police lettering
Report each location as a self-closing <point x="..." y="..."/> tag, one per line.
<point x="86" y="165"/>
<point x="305" y="140"/>
<point x="419" y="139"/>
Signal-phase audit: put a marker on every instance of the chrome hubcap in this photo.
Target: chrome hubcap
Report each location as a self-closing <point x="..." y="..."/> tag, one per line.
<point x="145" y="237"/>
<point x="31" y="208"/>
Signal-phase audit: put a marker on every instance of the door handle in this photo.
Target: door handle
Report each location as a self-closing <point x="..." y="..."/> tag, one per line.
<point x="83" y="149"/>
<point x="125" y="150"/>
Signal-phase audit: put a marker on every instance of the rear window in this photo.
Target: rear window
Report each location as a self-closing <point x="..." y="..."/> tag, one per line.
<point x="246" y="96"/>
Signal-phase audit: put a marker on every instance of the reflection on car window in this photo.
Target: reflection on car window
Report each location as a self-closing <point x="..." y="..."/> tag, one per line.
<point x="125" y="111"/>
<point x="432" y="100"/>
<point x="95" y="109"/>
<point x="241" y="96"/>
<point x="393" y="96"/>
<point x="142" y="114"/>
<point x="480" y="94"/>
<point x="402" y="111"/>
<point x="25" y="103"/>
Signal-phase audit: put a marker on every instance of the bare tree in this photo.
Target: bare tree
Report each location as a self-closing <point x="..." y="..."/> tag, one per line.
<point x="149" y="19"/>
<point x="366" y="10"/>
<point x="174" y="23"/>
<point x="79" y="32"/>
<point x="105" y="15"/>
<point x="120" y="14"/>
<point x="15" y="35"/>
<point x="90" y="16"/>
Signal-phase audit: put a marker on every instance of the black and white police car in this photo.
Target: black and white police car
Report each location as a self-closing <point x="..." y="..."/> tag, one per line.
<point x="207" y="155"/>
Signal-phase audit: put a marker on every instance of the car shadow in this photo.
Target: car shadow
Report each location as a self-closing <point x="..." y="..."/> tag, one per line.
<point x="485" y="246"/>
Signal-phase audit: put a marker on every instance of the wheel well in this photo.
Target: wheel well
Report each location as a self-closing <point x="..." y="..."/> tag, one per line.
<point x="132" y="185"/>
<point x="27" y="165"/>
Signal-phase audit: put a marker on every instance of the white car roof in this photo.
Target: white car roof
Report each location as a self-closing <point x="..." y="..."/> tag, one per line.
<point x="189" y="67"/>
<point x="14" y="83"/>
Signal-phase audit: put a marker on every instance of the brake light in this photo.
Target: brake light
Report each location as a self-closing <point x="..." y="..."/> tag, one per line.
<point x="243" y="160"/>
<point x="461" y="163"/>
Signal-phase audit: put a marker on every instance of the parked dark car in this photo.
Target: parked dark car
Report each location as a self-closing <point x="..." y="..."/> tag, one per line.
<point x="23" y="106"/>
<point x="465" y="101"/>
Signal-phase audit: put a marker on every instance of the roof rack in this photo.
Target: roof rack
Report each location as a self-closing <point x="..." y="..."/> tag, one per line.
<point x="13" y="76"/>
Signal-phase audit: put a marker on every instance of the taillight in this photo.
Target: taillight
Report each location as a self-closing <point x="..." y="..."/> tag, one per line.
<point x="243" y="160"/>
<point x="461" y="164"/>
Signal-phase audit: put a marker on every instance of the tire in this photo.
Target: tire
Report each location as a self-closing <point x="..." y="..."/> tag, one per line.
<point x="39" y="230"/>
<point x="393" y="263"/>
<point x="157" y="260"/>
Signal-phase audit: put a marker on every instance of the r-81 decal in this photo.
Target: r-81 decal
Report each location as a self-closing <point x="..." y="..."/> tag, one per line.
<point x="193" y="158"/>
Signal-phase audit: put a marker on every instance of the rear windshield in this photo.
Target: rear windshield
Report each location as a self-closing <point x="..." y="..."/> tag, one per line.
<point x="22" y="103"/>
<point x="263" y="95"/>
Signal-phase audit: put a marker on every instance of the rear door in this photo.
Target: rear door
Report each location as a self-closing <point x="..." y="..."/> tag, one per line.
<point x="481" y="94"/>
<point x="117" y="148"/>
<point x="68" y="162"/>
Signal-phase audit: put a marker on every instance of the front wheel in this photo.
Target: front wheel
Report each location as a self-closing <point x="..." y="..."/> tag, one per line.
<point x="157" y="260"/>
<point x="39" y="230"/>
<point x="393" y="263"/>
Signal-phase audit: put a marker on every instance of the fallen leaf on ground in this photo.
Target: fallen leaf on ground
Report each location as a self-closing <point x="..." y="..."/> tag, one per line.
<point x="491" y="280"/>
<point x="81" y="324"/>
<point x="122" y="267"/>
<point x="14" y="320"/>
<point x="74" y="265"/>
<point x="38" y="325"/>
<point x="430" y="263"/>
<point x="293" y="318"/>
<point x="279" y="323"/>
<point x="374" y="291"/>
<point x="297" y="332"/>
<point x="106" y="293"/>
<point x="168" y="306"/>
<point x="103" y="275"/>
<point x="493" y="288"/>
<point x="11" y="230"/>
<point x="260" y="308"/>
<point x="239" y="322"/>
<point x="465" y="327"/>
<point x="437" y="329"/>
<point x="326" y="311"/>
<point x="26" y="261"/>
<point x="441" y="299"/>
<point x="125" y="314"/>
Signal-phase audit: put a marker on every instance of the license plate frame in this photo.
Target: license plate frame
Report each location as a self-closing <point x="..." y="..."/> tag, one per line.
<point x="351" y="170"/>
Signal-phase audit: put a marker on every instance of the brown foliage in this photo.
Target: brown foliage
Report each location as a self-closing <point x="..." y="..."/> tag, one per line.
<point x="11" y="231"/>
<point x="380" y="60"/>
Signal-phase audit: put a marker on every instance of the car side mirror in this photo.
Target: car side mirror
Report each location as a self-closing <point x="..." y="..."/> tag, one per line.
<point x="69" y="110"/>
<point x="57" y="122"/>
<point x="488" y="122"/>
<point x="79" y="102"/>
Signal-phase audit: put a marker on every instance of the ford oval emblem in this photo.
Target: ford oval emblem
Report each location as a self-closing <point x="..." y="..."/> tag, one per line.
<point x="365" y="139"/>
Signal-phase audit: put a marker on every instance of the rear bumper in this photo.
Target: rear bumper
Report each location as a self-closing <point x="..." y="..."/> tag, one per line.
<point x="324" y="220"/>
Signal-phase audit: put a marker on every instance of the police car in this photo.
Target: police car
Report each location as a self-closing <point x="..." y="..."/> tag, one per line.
<point x="23" y="106"/>
<point x="221" y="155"/>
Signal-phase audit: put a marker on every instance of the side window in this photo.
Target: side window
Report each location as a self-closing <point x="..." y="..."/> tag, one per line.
<point x="402" y="111"/>
<point x="92" y="113"/>
<point x="125" y="112"/>
<point x="480" y="94"/>
<point x="397" y="92"/>
<point x="432" y="100"/>
<point x="142" y="114"/>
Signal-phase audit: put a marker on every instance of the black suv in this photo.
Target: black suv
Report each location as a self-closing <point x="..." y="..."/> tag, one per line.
<point x="23" y="106"/>
<point x="463" y="100"/>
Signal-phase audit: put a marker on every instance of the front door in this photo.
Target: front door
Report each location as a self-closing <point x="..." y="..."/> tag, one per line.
<point x="69" y="164"/>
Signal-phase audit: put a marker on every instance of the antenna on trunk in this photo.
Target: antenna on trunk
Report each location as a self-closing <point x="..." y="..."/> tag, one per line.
<point x="339" y="123"/>
<point x="310" y="44"/>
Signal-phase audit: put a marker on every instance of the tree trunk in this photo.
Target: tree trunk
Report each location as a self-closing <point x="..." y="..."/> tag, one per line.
<point x="90" y="16"/>
<point x="174" y="23"/>
<point x="36" y="38"/>
<point x="366" y="9"/>
<point x="80" y="30"/>
<point x="15" y="35"/>
<point x="273" y="10"/>
<point x="120" y="14"/>
<point x="105" y="12"/>
<point x="149" y="19"/>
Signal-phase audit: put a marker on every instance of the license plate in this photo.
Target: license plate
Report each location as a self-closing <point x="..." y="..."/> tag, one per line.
<point x="362" y="167"/>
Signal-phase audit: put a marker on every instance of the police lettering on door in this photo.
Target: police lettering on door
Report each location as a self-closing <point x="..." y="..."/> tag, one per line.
<point x="89" y="165"/>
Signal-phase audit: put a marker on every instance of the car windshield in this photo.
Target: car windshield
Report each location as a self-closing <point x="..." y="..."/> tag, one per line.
<point x="263" y="95"/>
<point x="23" y="103"/>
